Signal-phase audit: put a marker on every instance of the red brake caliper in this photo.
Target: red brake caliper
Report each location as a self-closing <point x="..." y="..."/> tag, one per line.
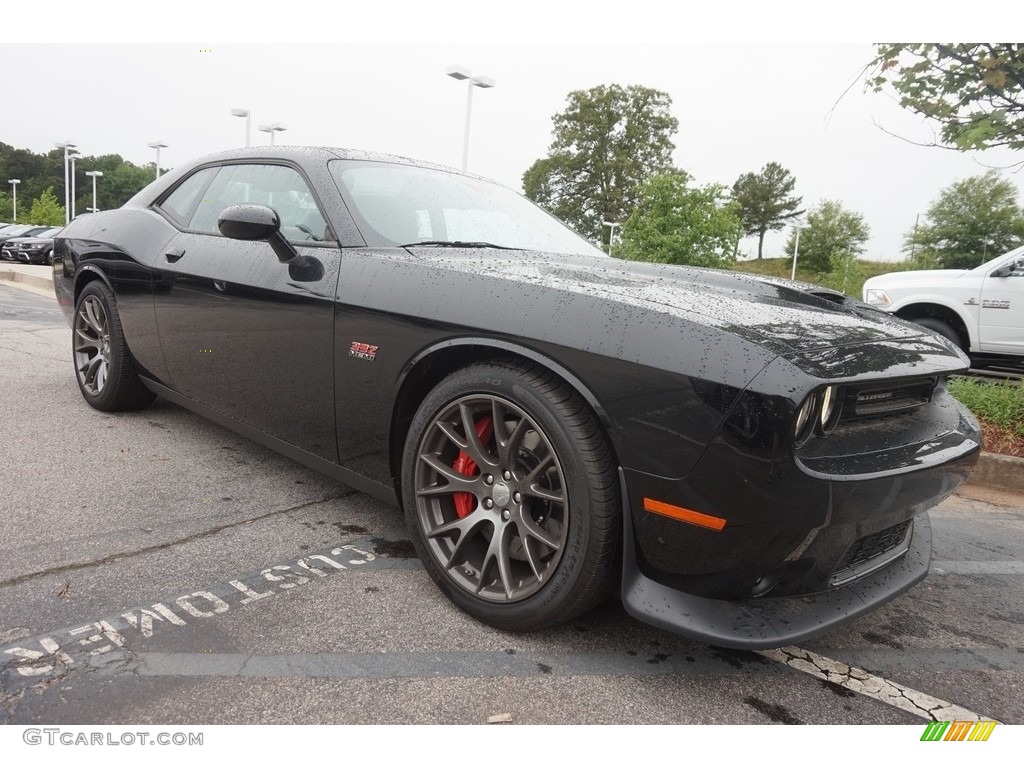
<point x="466" y="466"/>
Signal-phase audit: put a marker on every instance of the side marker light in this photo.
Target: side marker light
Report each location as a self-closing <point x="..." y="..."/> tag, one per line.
<point x="684" y="515"/>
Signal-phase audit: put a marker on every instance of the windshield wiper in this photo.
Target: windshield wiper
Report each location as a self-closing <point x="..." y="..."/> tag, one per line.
<point x="458" y="244"/>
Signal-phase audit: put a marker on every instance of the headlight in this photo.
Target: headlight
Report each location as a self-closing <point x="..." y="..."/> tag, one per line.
<point x="877" y="296"/>
<point x="831" y="405"/>
<point x="804" y="422"/>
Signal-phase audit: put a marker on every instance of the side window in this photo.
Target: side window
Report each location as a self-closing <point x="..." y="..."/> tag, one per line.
<point x="182" y="201"/>
<point x="275" y="186"/>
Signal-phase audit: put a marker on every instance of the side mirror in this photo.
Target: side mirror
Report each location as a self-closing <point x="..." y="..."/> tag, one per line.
<point x="256" y="222"/>
<point x="1010" y="270"/>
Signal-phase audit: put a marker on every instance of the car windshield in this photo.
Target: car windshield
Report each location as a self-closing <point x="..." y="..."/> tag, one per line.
<point x="397" y="205"/>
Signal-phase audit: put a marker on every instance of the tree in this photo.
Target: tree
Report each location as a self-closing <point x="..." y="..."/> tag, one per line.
<point x="6" y="207"/>
<point x="674" y="223"/>
<point x="975" y="91"/>
<point x="46" y="210"/>
<point x="832" y="234"/>
<point x="606" y="143"/>
<point x="971" y="221"/>
<point x="766" y="201"/>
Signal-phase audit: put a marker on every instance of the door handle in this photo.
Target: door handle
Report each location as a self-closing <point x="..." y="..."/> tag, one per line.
<point x="174" y="254"/>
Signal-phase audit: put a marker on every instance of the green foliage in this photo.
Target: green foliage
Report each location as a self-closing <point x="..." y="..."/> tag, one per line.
<point x="973" y="220"/>
<point x="606" y="143"/>
<point x="674" y="223"/>
<point x="831" y="235"/>
<point x="6" y="207"/>
<point x="998" y="402"/>
<point x="766" y="201"/>
<point x="848" y="277"/>
<point x="46" y="210"/>
<point x="975" y="91"/>
<point x="120" y="181"/>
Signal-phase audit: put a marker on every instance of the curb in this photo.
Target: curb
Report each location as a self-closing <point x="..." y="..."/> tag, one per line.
<point x="13" y="277"/>
<point x="1003" y="473"/>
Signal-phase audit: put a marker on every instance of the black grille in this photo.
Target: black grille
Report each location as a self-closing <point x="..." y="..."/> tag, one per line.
<point x="873" y="400"/>
<point x="870" y="553"/>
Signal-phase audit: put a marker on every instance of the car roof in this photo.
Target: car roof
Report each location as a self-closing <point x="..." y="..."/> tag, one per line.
<point x="296" y="153"/>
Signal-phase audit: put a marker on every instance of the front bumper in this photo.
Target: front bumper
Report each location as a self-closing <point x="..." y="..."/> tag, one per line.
<point x="804" y="542"/>
<point x="769" y="622"/>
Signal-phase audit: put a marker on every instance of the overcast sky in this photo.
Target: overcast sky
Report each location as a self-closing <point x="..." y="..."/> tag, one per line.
<point x="739" y="104"/>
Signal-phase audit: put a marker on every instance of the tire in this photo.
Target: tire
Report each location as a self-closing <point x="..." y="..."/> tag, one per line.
<point x="942" y="328"/>
<point x="106" y="373"/>
<point x="527" y="533"/>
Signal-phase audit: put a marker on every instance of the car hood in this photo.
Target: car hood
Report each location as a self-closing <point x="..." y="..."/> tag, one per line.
<point x="915" y="276"/>
<point x="775" y="313"/>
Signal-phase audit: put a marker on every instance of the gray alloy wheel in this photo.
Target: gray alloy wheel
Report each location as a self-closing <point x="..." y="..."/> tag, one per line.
<point x="499" y="534"/>
<point x="104" y="368"/>
<point x="92" y="345"/>
<point x="511" y="496"/>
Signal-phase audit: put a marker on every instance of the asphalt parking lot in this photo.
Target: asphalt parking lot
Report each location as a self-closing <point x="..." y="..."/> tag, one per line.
<point x="156" y="568"/>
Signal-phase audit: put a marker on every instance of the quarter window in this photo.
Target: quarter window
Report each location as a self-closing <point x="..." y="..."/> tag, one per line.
<point x="182" y="201"/>
<point x="275" y="186"/>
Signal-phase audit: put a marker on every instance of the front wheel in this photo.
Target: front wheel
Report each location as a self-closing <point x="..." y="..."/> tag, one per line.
<point x="943" y="328"/>
<point x="107" y="375"/>
<point x="512" y="496"/>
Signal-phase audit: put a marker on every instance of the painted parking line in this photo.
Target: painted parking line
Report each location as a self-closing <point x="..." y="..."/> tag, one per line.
<point x="102" y="643"/>
<point x="861" y="681"/>
<point x="978" y="567"/>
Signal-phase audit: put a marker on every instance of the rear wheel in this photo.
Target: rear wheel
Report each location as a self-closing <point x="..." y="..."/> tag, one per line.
<point x="106" y="373"/>
<point x="512" y="496"/>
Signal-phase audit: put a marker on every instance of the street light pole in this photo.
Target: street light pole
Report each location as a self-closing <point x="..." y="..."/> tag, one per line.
<point x="72" y="157"/>
<point x="611" y="235"/>
<point x="796" y="250"/>
<point x="66" y="145"/>
<point x="247" y="114"/>
<point x="459" y="72"/>
<point x="157" y="145"/>
<point x="273" y="128"/>
<point x="14" y="194"/>
<point x="94" y="174"/>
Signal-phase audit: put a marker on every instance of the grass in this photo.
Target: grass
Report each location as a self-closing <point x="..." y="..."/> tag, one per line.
<point x="847" y="277"/>
<point x="997" y="402"/>
<point x="999" y="407"/>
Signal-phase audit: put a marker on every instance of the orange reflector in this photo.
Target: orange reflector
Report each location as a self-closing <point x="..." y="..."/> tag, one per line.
<point x="684" y="514"/>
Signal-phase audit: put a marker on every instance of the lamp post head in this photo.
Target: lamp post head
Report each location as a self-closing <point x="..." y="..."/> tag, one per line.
<point x="94" y="173"/>
<point x="157" y="145"/>
<point x="14" y="181"/>
<point x="484" y="82"/>
<point x="459" y="72"/>
<point x="239" y="112"/>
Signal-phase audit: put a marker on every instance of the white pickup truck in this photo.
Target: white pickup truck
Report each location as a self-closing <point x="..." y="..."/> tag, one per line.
<point x="980" y="309"/>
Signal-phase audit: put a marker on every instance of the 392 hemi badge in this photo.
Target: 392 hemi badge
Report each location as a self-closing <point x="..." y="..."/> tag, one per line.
<point x="363" y="351"/>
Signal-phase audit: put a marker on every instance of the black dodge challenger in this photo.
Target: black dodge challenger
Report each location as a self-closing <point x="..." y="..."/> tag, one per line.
<point x="749" y="461"/>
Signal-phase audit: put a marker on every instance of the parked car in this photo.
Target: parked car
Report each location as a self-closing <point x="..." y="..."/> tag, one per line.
<point x="18" y="230"/>
<point x="749" y="461"/>
<point x="37" y="249"/>
<point x="981" y="310"/>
